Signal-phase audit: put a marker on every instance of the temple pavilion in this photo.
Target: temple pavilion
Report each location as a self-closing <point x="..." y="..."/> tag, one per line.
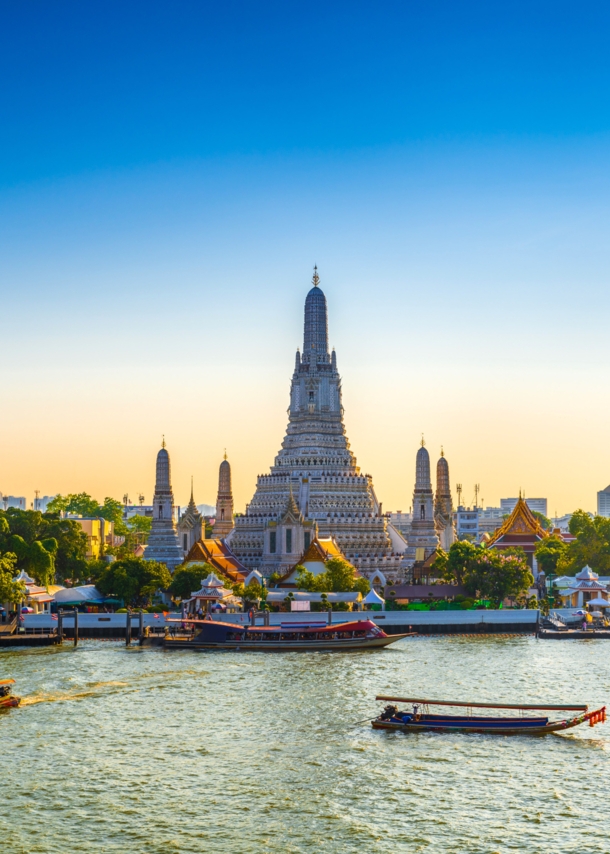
<point x="520" y="530"/>
<point x="585" y="589"/>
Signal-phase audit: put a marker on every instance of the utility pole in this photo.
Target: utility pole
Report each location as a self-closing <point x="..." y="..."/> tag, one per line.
<point x="477" y="488"/>
<point x="458" y="489"/>
<point x="37" y="499"/>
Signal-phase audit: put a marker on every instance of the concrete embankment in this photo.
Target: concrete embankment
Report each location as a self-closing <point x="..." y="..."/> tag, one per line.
<point x="393" y="622"/>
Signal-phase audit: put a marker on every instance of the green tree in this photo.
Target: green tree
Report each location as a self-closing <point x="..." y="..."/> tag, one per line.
<point x="453" y="565"/>
<point x="339" y="577"/>
<point x="250" y="593"/>
<point x="495" y="575"/>
<point x="591" y="546"/>
<point x="548" y="553"/>
<point x="187" y="579"/>
<point x="31" y="525"/>
<point x="134" y="580"/>
<point x="10" y="591"/>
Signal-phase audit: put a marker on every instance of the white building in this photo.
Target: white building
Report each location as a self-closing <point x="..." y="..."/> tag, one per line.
<point x="536" y="505"/>
<point x="603" y="502"/>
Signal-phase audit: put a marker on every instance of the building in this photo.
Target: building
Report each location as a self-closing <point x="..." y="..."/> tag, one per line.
<point x="223" y="524"/>
<point x="100" y="535"/>
<point x="216" y="553"/>
<point x="316" y="465"/>
<point x="585" y="588"/>
<point x="603" y="502"/>
<point x="401" y="522"/>
<point x="467" y="523"/>
<point x="443" y="505"/>
<point x="536" y="505"/>
<point x="13" y="501"/>
<point x="191" y="525"/>
<point x="423" y="539"/>
<point x="313" y="559"/>
<point x="163" y="543"/>
<point x="522" y="530"/>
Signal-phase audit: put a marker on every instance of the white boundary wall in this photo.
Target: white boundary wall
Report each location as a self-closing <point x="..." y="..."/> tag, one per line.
<point x="388" y="618"/>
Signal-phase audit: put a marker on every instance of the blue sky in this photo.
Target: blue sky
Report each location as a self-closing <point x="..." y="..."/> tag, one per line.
<point x="169" y="173"/>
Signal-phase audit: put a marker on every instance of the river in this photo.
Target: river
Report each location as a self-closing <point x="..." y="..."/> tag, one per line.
<point x="143" y="750"/>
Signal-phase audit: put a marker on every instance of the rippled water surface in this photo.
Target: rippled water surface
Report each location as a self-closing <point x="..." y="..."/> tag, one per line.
<point x="142" y="750"/>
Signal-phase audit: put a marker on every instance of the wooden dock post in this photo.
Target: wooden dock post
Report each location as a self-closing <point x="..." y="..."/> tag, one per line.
<point x="128" y="628"/>
<point x="330" y="615"/>
<point x="76" y="627"/>
<point x="60" y="625"/>
<point x="141" y="626"/>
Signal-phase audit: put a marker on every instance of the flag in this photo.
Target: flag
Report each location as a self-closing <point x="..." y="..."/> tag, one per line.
<point x="156" y="616"/>
<point x="53" y="616"/>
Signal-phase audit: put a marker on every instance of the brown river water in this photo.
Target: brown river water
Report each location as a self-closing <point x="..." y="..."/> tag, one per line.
<point x="142" y="750"/>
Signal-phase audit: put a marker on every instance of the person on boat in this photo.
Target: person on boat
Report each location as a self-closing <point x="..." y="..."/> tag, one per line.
<point x="5" y="690"/>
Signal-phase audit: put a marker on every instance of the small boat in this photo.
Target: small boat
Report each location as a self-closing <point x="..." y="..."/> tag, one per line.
<point x="7" y="700"/>
<point x="420" y="719"/>
<point x="210" y="634"/>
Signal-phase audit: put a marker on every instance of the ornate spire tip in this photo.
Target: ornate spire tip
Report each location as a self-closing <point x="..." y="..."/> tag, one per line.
<point x="316" y="278"/>
<point x="163" y="441"/>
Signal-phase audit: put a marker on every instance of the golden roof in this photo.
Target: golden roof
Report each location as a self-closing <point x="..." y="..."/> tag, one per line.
<point x="216" y="553"/>
<point x="520" y="521"/>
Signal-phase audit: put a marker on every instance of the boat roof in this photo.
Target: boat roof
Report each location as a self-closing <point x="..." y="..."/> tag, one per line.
<point x="483" y="705"/>
<point x="7" y="681"/>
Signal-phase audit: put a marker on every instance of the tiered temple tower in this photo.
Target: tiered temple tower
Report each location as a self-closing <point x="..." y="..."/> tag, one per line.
<point x="190" y="525"/>
<point x="224" y="502"/>
<point x="422" y="536"/>
<point x="163" y="540"/>
<point x="443" y="505"/>
<point x="315" y="464"/>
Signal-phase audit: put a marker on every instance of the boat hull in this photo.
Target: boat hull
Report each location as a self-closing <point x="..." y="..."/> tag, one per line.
<point x="479" y="729"/>
<point x="339" y="645"/>
<point x="9" y="702"/>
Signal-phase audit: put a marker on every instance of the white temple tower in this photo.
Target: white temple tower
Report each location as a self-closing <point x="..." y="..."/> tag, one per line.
<point x="163" y="543"/>
<point x="224" y="502"/>
<point x="443" y="505"/>
<point x="316" y="464"/>
<point x="422" y="537"/>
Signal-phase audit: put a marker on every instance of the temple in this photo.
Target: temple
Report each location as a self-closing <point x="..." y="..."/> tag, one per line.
<point x="315" y="487"/>
<point x="521" y="530"/>
<point x="422" y="539"/>
<point x="191" y="526"/>
<point x="224" y="502"/>
<point x="163" y="543"/>
<point x="443" y="505"/>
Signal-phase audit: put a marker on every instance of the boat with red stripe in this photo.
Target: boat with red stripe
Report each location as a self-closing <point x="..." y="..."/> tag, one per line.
<point x="420" y="719"/>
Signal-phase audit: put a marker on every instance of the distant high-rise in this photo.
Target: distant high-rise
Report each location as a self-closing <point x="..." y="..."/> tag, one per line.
<point x="443" y="505"/>
<point x="163" y="543"/>
<point x="224" y="502"/>
<point x="536" y="505"/>
<point x="423" y="539"/>
<point x="603" y="502"/>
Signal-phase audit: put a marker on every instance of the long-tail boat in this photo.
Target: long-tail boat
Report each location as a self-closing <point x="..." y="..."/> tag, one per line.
<point x="7" y="700"/>
<point x="211" y="634"/>
<point x="529" y="721"/>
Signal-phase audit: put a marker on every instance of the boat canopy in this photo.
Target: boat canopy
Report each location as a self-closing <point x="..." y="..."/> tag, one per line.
<point x="482" y="705"/>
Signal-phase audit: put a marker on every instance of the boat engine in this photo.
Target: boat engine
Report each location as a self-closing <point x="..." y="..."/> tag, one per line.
<point x="388" y="713"/>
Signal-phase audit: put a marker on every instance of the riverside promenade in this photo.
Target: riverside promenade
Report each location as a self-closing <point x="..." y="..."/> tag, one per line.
<point x="393" y="622"/>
